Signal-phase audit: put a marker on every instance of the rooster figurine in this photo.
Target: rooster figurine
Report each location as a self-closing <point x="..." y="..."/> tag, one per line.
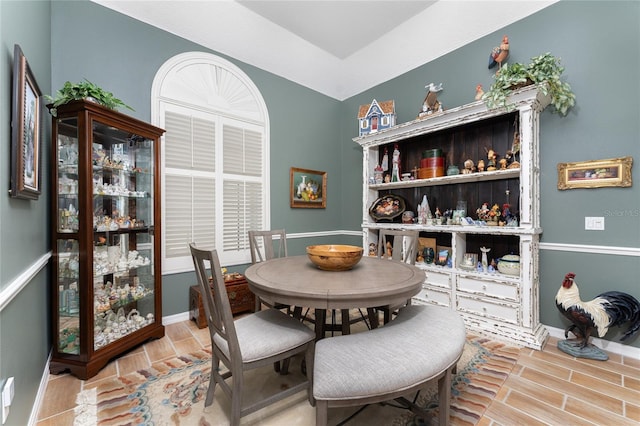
<point x="609" y="309"/>
<point x="499" y="54"/>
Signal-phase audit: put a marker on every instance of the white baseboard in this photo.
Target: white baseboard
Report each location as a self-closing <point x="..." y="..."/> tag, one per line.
<point x="42" y="389"/>
<point x="605" y="345"/>
<point x="172" y="319"/>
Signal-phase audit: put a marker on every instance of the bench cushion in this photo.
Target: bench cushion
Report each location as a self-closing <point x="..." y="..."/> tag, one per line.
<point x="417" y="346"/>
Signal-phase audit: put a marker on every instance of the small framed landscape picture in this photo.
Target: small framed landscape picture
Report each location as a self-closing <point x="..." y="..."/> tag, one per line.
<point x="595" y="174"/>
<point x="307" y="188"/>
<point x="25" y="130"/>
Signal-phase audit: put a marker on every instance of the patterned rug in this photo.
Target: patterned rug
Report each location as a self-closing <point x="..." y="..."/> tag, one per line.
<point x="172" y="392"/>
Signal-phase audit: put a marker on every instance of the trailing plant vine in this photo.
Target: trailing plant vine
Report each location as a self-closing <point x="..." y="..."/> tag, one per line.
<point x="544" y="71"/>
<point x="84" y="90"/>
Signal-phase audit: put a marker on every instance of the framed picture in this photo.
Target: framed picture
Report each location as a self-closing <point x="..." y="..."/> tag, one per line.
<point x="595" y="174"/>
<point x="25" y="130"/>
<point x="308" y="188"/>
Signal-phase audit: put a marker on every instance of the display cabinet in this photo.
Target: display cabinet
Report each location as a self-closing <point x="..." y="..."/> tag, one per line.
<point x="504" y="305"/>
<point x="106" y="283"/>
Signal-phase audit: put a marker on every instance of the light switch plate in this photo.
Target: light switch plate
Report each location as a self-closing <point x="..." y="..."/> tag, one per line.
<point x="7" y="398"/>
<point x="594" y="223"/>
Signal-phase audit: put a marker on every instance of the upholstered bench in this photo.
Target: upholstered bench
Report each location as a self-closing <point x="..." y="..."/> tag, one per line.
<point x="422" y="344"/>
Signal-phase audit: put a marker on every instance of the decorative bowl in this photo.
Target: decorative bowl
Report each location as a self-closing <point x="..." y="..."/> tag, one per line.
<point x="332" y="257"/>
<point x="509" y="264"/>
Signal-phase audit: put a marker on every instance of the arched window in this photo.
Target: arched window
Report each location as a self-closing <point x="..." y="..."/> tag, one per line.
<point x="214" y="158"/>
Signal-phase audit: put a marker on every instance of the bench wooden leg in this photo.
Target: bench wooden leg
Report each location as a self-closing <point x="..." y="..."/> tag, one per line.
<point x="374" y="321"/>
<point x="346" y="324"/>
<point x="321" y="317"/>
<point x="444" y="396"/>
<point x="322" y="413"/>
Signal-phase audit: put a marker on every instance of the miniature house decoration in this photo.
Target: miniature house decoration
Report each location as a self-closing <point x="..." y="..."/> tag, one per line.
<point x="376" y="116"/>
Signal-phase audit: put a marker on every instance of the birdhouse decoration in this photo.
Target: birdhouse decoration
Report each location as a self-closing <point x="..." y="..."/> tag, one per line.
<point x="376" y="116"/>
<point x="431" y="104"/>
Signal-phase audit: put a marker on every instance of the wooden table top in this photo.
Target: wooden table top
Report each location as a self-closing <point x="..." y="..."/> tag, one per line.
<point x="295" y="281"/>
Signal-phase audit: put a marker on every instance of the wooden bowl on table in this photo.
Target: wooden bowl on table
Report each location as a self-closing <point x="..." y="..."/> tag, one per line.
<point x="334" y="257"/>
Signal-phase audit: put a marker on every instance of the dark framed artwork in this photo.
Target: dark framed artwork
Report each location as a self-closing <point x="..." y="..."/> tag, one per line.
<point x="25" y="130"/>
<point x="307" y="188"/>
<point x="595" y="174"/>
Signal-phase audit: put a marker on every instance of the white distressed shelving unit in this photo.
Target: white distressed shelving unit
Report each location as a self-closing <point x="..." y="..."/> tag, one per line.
<point x="497" y="305"/>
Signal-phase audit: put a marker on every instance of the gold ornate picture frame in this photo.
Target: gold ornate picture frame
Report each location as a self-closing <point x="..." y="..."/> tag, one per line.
<point x="595" y="174"/>
<point x="307" y="188"/>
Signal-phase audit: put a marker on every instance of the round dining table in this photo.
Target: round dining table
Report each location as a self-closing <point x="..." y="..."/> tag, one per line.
<point x="372" y="282"/>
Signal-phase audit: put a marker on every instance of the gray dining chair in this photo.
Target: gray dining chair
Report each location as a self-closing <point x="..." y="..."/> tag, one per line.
<point x="256" y="340"/>
<point x="266" y="245"/>
<point x="399" y="246"/>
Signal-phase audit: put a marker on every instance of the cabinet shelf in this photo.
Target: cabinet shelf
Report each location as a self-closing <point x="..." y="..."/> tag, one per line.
<point x="449" y="180"/>
<point x="142" y="229"/>
<point x="470" y="229"/>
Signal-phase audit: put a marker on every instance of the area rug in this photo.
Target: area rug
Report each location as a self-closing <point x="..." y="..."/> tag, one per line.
<point x="172" y="392"/>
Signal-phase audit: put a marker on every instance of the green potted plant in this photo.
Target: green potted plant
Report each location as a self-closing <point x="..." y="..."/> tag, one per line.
<point x="544" y="71"/>
<point x="84" y="90"/>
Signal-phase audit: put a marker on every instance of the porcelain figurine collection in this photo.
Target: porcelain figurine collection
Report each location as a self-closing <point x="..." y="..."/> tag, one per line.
<point x="112" y="326"/>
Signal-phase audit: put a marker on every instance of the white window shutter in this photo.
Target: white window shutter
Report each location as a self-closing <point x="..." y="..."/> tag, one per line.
<point x="215" y="158"/>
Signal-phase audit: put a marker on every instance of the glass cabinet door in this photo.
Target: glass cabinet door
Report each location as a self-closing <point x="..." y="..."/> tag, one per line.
<point x="68" y="175"/>
<point x="68" y="278"/>
<point x="68" y="297"/>
<point x="123" y="272"/>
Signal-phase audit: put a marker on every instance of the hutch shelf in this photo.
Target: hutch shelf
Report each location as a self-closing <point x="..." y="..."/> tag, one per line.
<point x="106" y="284"/>
<point x="492" y="303"/>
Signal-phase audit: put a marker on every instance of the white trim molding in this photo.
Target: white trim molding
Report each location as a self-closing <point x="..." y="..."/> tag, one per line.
<point x="323" y="234"/>
<point x="15" y="287"/>
<point x="582" y="248"/>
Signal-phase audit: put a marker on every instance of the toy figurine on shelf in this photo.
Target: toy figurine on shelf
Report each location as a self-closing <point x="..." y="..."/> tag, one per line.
<point x="485" y="260"/>
<point x="509" y="218"/>
<point x="512" y="154"/>
<point x="483" y="212"/>
<point x="492" y="157"/>
<point x="395" y="164"/>
<point x="385" y="160"/>
<point x="424" y="212"/>
<point x="468" y="167"/>
<point x="494" y="215"/>
<point x="378" y="174"/>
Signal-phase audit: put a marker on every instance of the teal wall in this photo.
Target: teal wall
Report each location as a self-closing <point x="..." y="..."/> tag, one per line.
<point x="72" y="40"/>
<point x="24" y="239"/>
<point x="304" y="129"/>
<point x="604" y="124"/>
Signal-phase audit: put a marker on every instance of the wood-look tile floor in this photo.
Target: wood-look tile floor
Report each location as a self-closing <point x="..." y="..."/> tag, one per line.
<point x="546" y="387"/>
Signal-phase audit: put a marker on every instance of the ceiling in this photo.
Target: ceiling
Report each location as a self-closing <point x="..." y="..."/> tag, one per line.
<point x="338" y="48"/>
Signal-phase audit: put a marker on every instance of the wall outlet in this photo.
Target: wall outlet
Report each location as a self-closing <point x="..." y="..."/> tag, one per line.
<point x="594" y="223"/>
<point x="7" y="398"/>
